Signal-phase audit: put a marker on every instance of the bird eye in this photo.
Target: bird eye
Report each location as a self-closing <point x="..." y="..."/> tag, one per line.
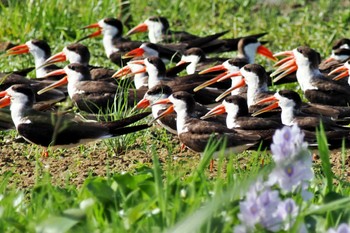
<point x="248" y="69"/>
<point x="299" y="50"/>
<point x="72" y="67"/>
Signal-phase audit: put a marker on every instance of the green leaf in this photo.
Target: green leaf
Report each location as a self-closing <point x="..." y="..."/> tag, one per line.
<point x="324" y="155"/>
<point x="334" y="205"/>
<point x="101" y="190"/>
<point x="56" y="224"/>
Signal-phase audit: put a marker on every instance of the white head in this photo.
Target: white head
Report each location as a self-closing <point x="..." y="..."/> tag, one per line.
<point x="110" y="27"/>
<point x="72" y="56"/>
<point x="155" y="29"/>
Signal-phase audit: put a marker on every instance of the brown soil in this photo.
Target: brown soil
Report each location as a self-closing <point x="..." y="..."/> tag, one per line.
<point x="73" y="166"/>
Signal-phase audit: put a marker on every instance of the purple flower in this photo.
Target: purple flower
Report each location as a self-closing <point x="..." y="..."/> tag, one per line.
<point x="291" y="176"/>
<point x="342" y="228"/>
<point x="288" y="143"/>
<point x="258" y="209"/>
<point x="287" y="211"/>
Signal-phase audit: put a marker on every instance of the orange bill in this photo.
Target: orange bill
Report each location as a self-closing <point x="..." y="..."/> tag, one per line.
<point x="5" y="101"/>
<point x="284" y="60"/>
<point x="122" y="72"/>
<point x="220" y="109"/>
<point x="213" y="69"/>
<point x="97" y="33"/>
<point x="142" y="27"/>
<point x="284" y="53"/>
<point x="59" y="57"/>
<point x="19" y="49"/>
<point x="228" y="91"/>
<point x="138" y="52"/>
<point x="166" y="112"/>
<point x="230" y="75"/>
<point x="338" y="70"/>
<point x="60" y="82"/>
<point x="55" y="73"/>
<point x="266" y="53"/>
<point x="181" y="62"/>
<point x="209" y="82"/>
<point x="144" y="103"/>
<point x="268" y="108"/>
<point x="341" y="75"/>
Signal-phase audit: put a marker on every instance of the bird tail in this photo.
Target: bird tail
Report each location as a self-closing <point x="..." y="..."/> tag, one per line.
<point x="126" y="121"/>
<point x="126" y="130"/>
<point x="117" y="128"/>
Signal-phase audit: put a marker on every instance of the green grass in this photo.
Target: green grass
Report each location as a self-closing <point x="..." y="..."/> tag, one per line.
<point x="168" y="196"/>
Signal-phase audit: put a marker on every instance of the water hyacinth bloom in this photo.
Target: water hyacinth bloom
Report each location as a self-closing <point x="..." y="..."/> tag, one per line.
<point x="266" y="210"/>
<point x="263" y="206"/>
<point x="291" y="176"/>
<point x="342" y="228"/>
<point x="260" y="208"/>
<point x="288" y="143"/>
<point x="287" y="211"/>
<point x="293" y="160"/>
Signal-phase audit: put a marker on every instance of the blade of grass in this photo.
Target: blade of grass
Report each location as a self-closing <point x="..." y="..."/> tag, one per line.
<point x="324" y="155"/>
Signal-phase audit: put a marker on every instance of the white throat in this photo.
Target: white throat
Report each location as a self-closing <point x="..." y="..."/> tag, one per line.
<point x="287" y="115"/>
<point x="108" y="44"/>
<point x="17" y="113"/>
<point x="254" y="90"/>
<point x="305" y="76"/>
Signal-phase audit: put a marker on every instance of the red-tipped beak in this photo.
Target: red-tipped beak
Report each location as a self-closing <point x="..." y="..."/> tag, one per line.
<point x="60" y="82"/>
<point x="287" y="65"/>
<point x="169" y="110"/>
<point x="122" y="72"/>
<point x="6" y="100"/>
<point x="345" y="68"/>
<point x="230" y="75"/>
<point x="181" y="62"/>
<point x="241" y="83"/>
<point x="138" y="52"/>
<point x="59" y="57"/>
<point x="97" y="33"/>
<point x="163" y="101"/>
<point x="19" y="49"/>
<point x="266" y="100"/>
<point x="266" y="52"/>
<point x="139" y="28"/>
<point x="144" y="103"/>
<point x="342" y="75"/>
<point x="55" y="73"/>
<point x="284" y="53"/>
<point x="338" y="70"/>
<point x="94" y="25"/>
<point x="284" y="60"/>
<point x="209" y="82"/>
<point x="268" y="108"/>
<point x="220" y="109"/>
<point x="213" y="69"/>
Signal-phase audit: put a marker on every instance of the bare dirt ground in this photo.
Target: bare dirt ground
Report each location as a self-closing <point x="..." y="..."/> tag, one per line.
<point x="73" y="166"/>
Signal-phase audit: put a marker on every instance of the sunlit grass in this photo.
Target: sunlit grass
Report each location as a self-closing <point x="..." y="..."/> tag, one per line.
<point x="167" y="196"/>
